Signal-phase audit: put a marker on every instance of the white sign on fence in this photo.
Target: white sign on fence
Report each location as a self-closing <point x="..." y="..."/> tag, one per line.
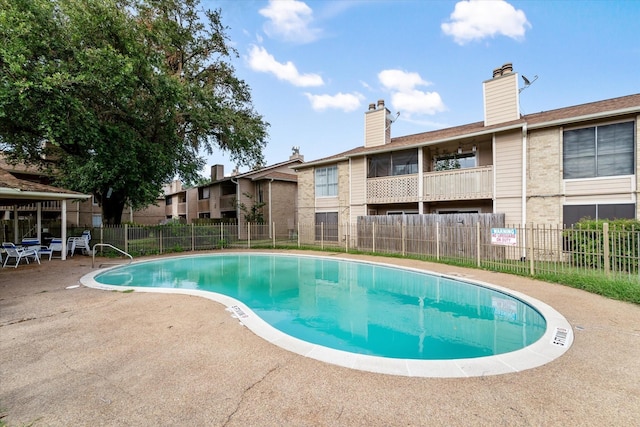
<point x="504" y="236"/>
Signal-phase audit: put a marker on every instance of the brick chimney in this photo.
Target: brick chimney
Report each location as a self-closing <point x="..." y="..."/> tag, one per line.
<point x="501" y="96"/>
<point x="376" y="125"/>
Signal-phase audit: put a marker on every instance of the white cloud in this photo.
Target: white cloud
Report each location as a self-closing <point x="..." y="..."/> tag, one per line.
<point x="261" y="60"/>
<point x="404" y="95"/>
<point x="289" y="20"/>
<point x="346" y="102"/>
<point x="417" y="102"/>
<point x="478" y="19"/>
<point x="400" y="80"/>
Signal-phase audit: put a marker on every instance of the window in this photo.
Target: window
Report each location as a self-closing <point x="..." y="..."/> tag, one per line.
<point x="327" y="181"/>
<point x="204" y="215"/>
<point x="391" y="164"/>
<point x="168" y="200"/>
<point x="571" y="214"/>
<point x="96" y="220"/>
<point x="327" y="226"/>
<point x="260" y="192"/>
<point x="598" y="151"/>
<point x="454" y="161"/>
<point x="203" y="193"/>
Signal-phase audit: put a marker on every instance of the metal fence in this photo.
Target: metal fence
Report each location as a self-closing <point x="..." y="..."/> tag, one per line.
<point x="525" y="249"/>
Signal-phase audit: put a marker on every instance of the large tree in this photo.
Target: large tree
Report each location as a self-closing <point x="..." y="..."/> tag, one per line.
<point x="120" y="96"/>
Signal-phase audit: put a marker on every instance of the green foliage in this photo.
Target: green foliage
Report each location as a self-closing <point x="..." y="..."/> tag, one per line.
<point x="125" y="94"/>
<point x="586" y="243"/>
<point x="253" y="213"/>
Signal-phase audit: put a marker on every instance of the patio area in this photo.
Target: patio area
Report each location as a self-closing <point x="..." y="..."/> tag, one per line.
<point x="81" y="356"/>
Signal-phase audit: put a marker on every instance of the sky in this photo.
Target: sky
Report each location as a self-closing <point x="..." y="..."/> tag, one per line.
<point x="314" y="66"/>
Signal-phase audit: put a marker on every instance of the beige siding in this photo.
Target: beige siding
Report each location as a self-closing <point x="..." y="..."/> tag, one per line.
<point x="600" y="186"/>
<point x="599" y="198"/>
<point x="508" y="167"/>
<point x="374" y="127"/>
<point x="511" y="207"/>
<point x="344" y="192"/>
<point x="508" y="176"/>
<point x="501" y="100"/>
<point x="358" y="181"/>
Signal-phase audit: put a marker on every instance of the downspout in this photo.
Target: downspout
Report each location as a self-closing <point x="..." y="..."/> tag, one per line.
<point x="524" y="174"/>
<point x="524" y="184"/>
<point x="420" y="182"/>
<point x="271" y="231"/>
<point x="237" y="205"/>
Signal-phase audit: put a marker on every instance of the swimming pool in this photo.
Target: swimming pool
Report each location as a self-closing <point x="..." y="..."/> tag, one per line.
<point x="363" y="315"/>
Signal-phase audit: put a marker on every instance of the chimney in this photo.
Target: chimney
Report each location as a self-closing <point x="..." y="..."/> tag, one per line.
<point x="376" y="131"/>
<point x="501" y="103"/>
<point x="295" y="153"/>
<point x="217" y="172"/>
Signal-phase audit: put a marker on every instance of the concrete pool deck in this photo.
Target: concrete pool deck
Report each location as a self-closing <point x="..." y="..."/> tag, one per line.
<point x="84" y="356"/>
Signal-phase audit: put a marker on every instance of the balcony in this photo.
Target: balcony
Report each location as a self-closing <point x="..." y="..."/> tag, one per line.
<point x="228" y="202"/>
<point x="456" y="184"/>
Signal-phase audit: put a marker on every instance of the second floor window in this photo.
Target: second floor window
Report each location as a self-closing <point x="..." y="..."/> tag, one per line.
<point x="598" y="151"/>
<point x="390" y="164"/>
<point x="203" y="193"/>
<point x="327" y="181"/>
<point x="454" y="161"/>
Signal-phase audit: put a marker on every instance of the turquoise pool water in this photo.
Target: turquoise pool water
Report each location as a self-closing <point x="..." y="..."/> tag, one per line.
<point x="352" y="306"/>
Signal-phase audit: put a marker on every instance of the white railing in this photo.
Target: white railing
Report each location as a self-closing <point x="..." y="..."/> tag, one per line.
<point x="392" y="189"/>
<point x="459" y="184"/>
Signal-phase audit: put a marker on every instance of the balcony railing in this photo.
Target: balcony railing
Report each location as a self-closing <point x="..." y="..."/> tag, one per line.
<point x="457" y="184"/>
<point x="228" y="202"/>
<point x="392" y="189"/>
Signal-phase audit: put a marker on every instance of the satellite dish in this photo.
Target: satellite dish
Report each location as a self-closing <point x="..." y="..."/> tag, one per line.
<point x="527" y="82"/>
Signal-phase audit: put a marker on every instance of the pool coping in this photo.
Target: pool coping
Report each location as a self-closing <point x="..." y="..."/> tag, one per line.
<point x="556" y="340"/>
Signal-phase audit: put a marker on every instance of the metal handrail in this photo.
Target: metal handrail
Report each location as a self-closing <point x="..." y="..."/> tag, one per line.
<point x="93" y="253"/>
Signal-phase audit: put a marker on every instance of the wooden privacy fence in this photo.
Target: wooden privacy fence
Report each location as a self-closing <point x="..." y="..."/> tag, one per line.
<point x="466" y="239"/>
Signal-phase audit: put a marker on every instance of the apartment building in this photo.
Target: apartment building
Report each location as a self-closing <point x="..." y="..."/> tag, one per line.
<point x="80" y="213"/>
<point x="273" y="187"/>
<point x="552" y="167"/>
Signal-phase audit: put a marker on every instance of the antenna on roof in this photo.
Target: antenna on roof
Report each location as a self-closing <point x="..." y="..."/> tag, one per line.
<point x="392" y="119"/>
<point x="527" y="82"/>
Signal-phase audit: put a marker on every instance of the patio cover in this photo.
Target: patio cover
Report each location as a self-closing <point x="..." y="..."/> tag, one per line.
<point x="16" y="192"/>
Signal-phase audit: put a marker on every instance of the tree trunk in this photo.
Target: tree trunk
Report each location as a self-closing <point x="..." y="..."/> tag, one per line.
<point x="112" y="208"/>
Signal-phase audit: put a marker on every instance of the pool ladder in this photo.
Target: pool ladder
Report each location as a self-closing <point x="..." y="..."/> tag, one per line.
<point x="93" y="254"/>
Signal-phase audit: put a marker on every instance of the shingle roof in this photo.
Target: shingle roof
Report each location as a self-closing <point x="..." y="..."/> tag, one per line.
<point x="625" y="104"/>
<point x="15" y="191"/>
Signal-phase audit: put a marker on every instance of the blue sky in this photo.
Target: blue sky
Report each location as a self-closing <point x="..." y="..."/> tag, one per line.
<point x="314" y="66"/>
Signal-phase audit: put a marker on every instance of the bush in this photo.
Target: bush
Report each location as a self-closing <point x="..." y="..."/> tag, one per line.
<point x="586" y="242"/>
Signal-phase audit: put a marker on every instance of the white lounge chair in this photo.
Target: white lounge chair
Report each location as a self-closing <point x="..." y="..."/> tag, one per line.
<point x="54" y="246"/>
<point x="19" y="253"/>
<point x="81" y="242"/>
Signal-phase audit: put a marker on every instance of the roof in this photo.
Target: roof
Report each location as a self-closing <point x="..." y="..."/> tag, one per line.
<point x="629" y="104"/>
<point x="15" y="191"/>
<point x="267" y="172"/>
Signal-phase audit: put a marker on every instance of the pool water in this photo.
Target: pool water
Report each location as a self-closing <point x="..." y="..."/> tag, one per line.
<point x="358" y="307"/>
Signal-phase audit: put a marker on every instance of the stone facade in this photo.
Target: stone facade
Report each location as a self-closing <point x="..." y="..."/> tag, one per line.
<point x="544" y="176"/>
